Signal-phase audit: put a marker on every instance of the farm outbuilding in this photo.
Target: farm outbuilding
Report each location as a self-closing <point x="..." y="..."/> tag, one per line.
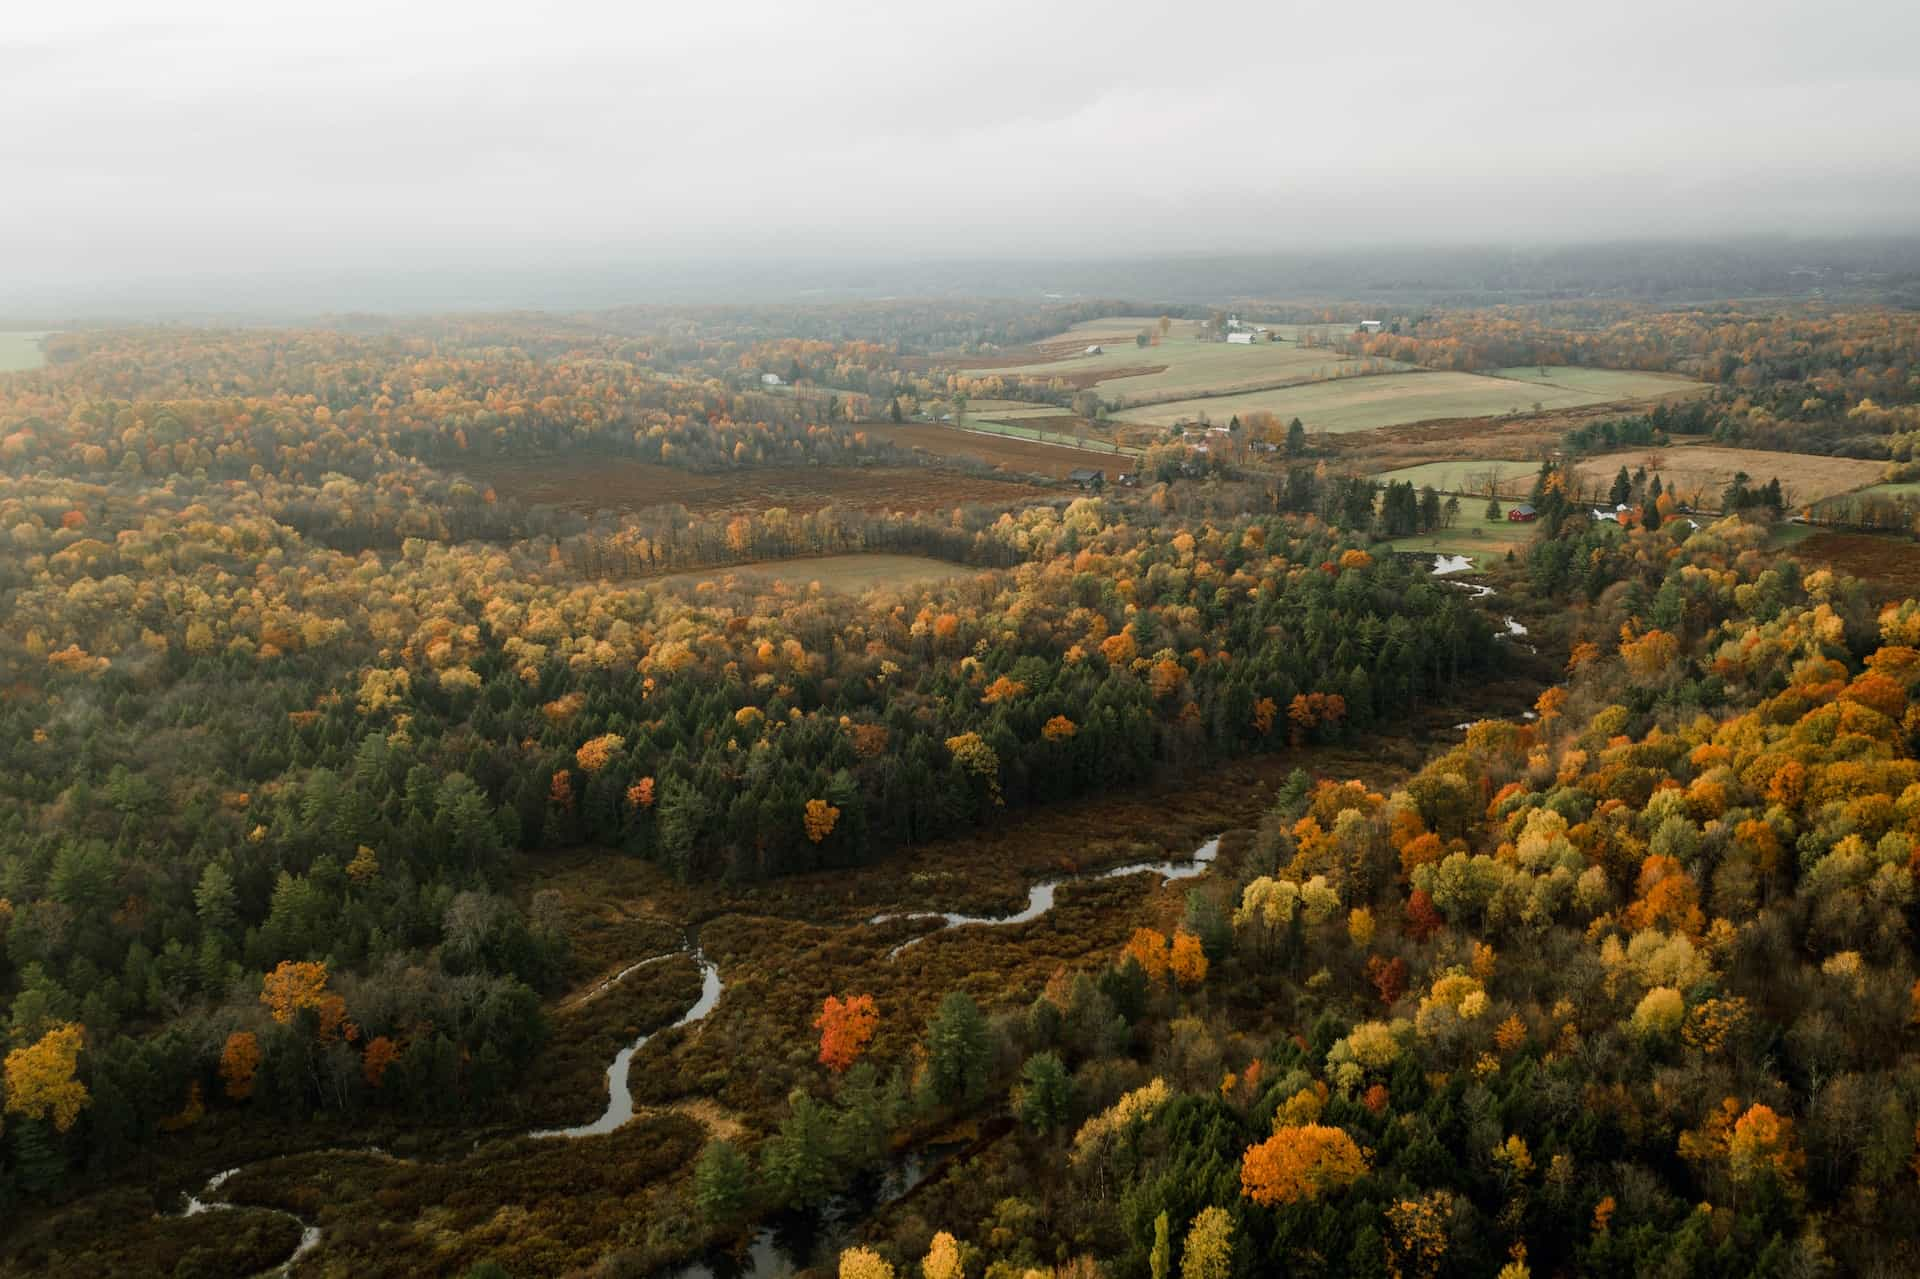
<point x="1095" y="349"/>
<point x="770" y="379"/>
<point x="1370" y="326"/>
<point x="1244" y="338"/>
<point x="1087" y="477"/>
<point x="1522" y="514"/>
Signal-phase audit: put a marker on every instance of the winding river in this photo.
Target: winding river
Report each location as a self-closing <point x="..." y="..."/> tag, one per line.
<point x="776" y="1251"/>
<point x="1040" y="896"/>
<point x="619" y="1096"/>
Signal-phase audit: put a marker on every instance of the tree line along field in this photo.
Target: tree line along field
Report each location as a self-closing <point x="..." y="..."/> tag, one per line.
<point x="1702" y="470"/>
<point x="848" y="573"/>
<point x="590" y="485"/>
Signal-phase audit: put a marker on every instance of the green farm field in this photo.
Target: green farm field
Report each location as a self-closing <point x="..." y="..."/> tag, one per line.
<point x="1510" y="478"/>
<point x="1602" y="384"/>
<point x="851" y="574"/>
<point x="20" y="351"/>
<point x="1362" y="403"/>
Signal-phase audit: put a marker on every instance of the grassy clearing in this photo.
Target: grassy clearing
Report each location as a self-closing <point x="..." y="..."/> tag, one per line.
<point x="1480" y="540"/>
<point x="1704" y="470"/>
<point x="849" y="573"/>
<point x="1468" y="476"/>
<point x="1602" y="384"/>
<point x="20" y="351"/>
<point x="1180" y="365"/>
<point x="1053" y="428"/>
<point x="1902" y="491"/>
<point x="1362" y="403"/>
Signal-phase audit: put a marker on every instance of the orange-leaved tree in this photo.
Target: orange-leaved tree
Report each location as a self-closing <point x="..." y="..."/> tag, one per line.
<point x="238" y="1060"/>
<point x="1148" y="948"/>
<point x="295" y="987"/>
<point x="845" y="1028"/>
<point x="1300" y="1163"/>
<point x="1188" y="959"/>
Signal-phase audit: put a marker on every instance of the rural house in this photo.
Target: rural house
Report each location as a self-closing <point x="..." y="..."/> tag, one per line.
<point x="1522" y="514"/>
<point x="1088" y="478"/>
<point x="770" y="379"/>
<point x="1370" y="326"/>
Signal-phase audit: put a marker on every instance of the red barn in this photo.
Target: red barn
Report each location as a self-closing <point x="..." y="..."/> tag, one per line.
<point x="1521" y="514"/>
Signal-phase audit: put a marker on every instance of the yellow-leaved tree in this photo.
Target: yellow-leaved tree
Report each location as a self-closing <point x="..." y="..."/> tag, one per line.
<point x="1209" y="1250"/>
<point x="864" y="1263"/>
<point x="40" y="1077"/>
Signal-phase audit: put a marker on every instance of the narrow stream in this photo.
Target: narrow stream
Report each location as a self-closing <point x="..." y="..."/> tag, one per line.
<point x="1446" y="564"/>
<point x="1040" y="896"/>
<point x="309" y="1234"/>
<point x="784" y="1249"/>
<point x="619" y="1096"/>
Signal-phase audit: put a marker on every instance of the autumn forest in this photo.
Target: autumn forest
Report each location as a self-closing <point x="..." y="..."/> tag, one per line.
<point x="873" y="808"/>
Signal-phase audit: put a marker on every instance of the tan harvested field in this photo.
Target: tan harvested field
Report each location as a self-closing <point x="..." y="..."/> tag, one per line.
<point x="1019" y="456"/>
<point x="1708" y="468"/>
<point x="852" y="574"/>
<point x="1364" y="403"/>
<point x="1182" y="366"/>
<point x="591" y="485"/>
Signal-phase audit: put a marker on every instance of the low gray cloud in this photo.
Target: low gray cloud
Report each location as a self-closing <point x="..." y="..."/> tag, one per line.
<point x="237" y="138"/>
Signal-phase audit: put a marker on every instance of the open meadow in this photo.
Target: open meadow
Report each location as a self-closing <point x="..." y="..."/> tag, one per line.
<point x="1468" y="476"/>
<point x="1183" y="366"/>
<point x="1481" y="540"/>
<point x="590" y="485"/>
<point x="20" y="351"/>
<point x="1363" y="403"/>
<point x="1602" y="384"/>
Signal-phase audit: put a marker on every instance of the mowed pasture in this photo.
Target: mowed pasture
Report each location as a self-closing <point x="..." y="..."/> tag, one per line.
<point x="20" y="351"/>
<point x="1603" y="384"/>
<point x="1396" y="399"/>
<point x="1481" y="540"/>
<point x="850" y="574"/>
<point x="1705" y="470"/>
<point x="593" y="485"/>
<point x="1510" y="478"/>
<point x="1124" y="373"/>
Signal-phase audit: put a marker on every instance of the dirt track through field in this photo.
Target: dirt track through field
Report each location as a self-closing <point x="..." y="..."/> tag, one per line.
<point x="1022" y="457"/>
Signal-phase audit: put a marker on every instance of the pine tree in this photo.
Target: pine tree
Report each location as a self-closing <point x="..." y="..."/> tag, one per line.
<point x="958" y="1051"/>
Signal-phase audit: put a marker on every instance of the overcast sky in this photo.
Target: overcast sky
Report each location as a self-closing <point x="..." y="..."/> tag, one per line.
<point x="152" y="142"/>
